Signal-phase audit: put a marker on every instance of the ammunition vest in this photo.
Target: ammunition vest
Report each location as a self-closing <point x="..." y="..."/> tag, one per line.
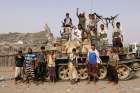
<point x="116" y="34"/>
<point x="103" y="35"/>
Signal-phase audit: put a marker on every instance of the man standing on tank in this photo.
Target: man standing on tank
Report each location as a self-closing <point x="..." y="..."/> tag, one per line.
<point x="103" y="36"/>
<point x="82" y="19"/>
<point x="117" y="36"/>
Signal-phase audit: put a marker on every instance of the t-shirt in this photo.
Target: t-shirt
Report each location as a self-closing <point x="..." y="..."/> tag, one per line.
<point x="30" y="58"/>
<point x="19" y="61"/>
<point x="42" y="57"/>
<point x="93" y="56"/>
<point x="51" y="60"/>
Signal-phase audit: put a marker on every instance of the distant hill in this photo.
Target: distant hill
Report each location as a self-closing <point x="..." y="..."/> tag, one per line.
<point x="10" y="42"/>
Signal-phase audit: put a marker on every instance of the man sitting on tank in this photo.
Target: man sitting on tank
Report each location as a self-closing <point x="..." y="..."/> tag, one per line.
<point x="92" y="22"/>
<point x="85" y="35"/>
<point x="77" y="34"/>
<point x="67" y="23"/>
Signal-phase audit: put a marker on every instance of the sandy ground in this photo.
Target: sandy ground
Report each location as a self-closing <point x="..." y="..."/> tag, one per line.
<point x="130" y="86"/>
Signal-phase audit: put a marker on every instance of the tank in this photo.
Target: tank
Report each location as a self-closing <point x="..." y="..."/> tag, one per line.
<point x="129" y="63"/>
<point x="128" y="66"/>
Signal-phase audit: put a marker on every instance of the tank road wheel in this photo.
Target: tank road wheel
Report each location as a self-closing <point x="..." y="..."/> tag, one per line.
<point x="136" y="66"/>
<point x="102" y="72"/>
<point x="82" y="72"/>
<point x="123" y="72"/>
<point x="63" y="73"/>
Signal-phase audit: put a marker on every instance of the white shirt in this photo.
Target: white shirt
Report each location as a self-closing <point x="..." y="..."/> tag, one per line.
<point x="91" y="22"/>
<point x="68" y="21"/>
<point x="77" y="34"/>
<point x="73" y="56"/>
<point x="51" y="61"/>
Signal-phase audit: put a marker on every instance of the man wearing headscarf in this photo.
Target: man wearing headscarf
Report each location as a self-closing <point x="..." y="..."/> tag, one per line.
<point x="82" y="19"/>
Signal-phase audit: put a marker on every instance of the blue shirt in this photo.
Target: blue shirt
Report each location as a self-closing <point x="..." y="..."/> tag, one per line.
<point x="30" y="58"/>
<point x="92" y="57"/>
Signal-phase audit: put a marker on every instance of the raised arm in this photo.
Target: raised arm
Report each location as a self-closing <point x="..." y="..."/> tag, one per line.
<point x="71" y="22"/>
<point x="107" y="21"/>
<point x="113" y="18"/>
<point x="113" y="22"/>
<point x="122" y="37"/>
<point x="98" y="17"/>
<point x="87" y="59"/>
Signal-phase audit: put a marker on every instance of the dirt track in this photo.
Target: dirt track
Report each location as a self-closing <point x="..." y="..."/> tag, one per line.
<point x="131" y="86"/>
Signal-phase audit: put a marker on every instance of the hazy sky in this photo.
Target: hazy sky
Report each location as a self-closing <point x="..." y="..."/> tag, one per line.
<point x="31" y="15"/>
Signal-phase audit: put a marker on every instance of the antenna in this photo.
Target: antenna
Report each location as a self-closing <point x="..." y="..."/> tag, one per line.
<point x="91" y="6"/>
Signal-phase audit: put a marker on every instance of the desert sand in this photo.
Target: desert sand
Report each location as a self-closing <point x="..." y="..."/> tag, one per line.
<point x="102" y="86"/>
